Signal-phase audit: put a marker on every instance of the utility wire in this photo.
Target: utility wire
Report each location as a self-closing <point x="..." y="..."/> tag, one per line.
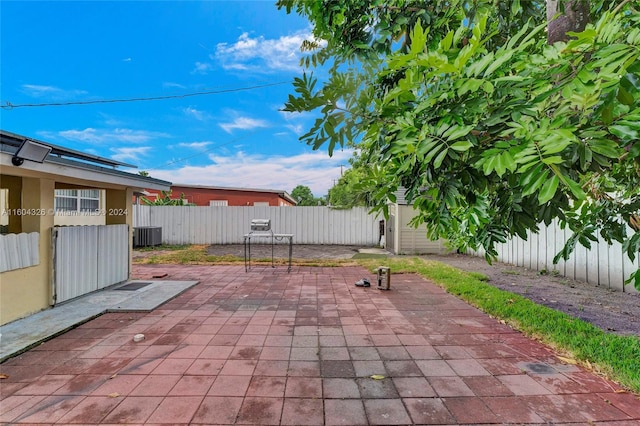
<point x="8" y="105"/>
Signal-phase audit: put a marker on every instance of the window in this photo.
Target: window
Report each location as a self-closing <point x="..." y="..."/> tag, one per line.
<point x="218" y="203"/>
<point x="77" y="200"/>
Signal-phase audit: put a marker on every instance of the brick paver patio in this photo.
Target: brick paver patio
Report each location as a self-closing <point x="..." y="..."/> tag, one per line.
<point x="267" y="347"/>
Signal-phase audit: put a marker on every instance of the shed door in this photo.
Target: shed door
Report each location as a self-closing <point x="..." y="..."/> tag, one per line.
<point x="390" y="236"/>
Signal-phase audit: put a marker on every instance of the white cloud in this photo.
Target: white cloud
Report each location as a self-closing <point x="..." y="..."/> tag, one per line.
<point x="97" y="136"/>
<point x="202" y="68"/>
<point x="297" y="123"/>
<point x="51" y="92"/>
<point x="262" y="55"/>
<point x="194" y="145"/>
<point x="314" y="169"/>
<point x="129" y="153"/>
<point x="243" y="123"/>
<point x="170" y="85"/>
<point x="195" y="113"/>
<point x="298" y="129"/>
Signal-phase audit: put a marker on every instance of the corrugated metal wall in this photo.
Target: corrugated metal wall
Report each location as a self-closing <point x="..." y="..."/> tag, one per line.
<point x="603" y="264"/>
<point x="19" y="251"/>
<point x="227" y="225"/>
<point x="113" y="254"/>
<point x="88" y="258"/>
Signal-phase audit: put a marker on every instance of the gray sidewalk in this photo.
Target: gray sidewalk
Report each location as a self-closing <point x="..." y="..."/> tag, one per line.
<point x="19" y="335"/>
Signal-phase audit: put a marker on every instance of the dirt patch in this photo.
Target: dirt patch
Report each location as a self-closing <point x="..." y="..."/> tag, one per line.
<point x="611" y="310"/>
<point x="281" y="251"/>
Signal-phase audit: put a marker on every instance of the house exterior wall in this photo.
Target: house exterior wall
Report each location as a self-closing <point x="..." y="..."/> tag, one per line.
<point x="202" y="196"/>
<point x="27" y="290"/>
<point x="62" y="219"/>
<point x="28" y="192"/>
<point x="13" y="197"/>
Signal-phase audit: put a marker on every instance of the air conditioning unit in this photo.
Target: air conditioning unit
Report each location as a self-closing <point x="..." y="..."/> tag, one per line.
<point x="146" y="236"/>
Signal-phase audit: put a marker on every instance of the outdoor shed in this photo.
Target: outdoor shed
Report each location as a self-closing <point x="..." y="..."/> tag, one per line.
<point x="42" y="264"/>
<point x="401" y="238"/>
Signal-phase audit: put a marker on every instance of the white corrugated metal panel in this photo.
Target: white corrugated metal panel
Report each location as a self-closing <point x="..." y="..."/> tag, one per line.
<point x="603" y="264"/>
<point x="141" y="215"/>
<point x="228" y="225"/>
<point x="19" y="251"/>
<point x="75" y="261"/>
<point x="88" y="258"/>
<point x="113" y="254"/>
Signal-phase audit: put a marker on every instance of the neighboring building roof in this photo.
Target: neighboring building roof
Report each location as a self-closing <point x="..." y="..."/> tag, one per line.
<point x="282" y="194"/>
<point x="92" y="164"/>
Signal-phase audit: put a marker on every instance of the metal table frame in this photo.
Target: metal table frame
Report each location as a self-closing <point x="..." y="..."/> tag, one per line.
<point x="274" y="238"/>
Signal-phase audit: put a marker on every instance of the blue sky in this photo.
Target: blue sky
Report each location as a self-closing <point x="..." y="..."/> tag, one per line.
<point x="77" y="51"/>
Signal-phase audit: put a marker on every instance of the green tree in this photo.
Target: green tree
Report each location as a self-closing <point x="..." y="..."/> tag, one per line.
<point x="347" y="192"/>
<point x="303" y="195"/>
<point x="353" y="189"/>
<point x="491" y="129"/>
<point x="165" y="200"/>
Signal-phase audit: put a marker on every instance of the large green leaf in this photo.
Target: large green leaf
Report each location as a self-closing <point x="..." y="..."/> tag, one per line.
<point x="624" y="132"/>
<point x="548" y="190"/>
<point x="461" y="146"/>
<point x="456" y="132"/>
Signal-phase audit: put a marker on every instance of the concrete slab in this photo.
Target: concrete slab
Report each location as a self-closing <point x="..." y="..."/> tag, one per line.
<point x="374" y="250"/>
<point x="23" y="334"/>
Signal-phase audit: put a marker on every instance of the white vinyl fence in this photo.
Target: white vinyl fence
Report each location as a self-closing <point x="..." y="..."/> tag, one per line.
<point x="228" y="225"/>
<point x="19" y="251"/>
<point x="88" y="258"/>
<point x="602" y="265"/>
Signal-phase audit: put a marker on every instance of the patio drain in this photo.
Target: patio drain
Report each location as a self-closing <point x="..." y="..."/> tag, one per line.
<point x="133" y="286"/>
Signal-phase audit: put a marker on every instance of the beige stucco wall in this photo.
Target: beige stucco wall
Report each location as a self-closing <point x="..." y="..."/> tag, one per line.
<point x="31" y="187"/>
<point x="13" y="184"/>
<point x="62" y="219"/>
<point x="28" y="290"/>
<point x="119" y="209"/>
<point x="4" y="206"/>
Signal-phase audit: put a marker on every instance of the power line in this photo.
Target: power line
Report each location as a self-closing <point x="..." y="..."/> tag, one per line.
<point x="8" y="105"/>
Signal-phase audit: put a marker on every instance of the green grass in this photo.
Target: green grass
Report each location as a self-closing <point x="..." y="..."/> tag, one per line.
<point x="618" y="357"/>
<point x="197" y="255"/>
<point x="369" y="256"/>
<point x="163" y="247"/>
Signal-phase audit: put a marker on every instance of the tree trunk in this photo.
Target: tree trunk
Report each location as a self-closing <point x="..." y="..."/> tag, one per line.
<point x="574" y="18"/>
